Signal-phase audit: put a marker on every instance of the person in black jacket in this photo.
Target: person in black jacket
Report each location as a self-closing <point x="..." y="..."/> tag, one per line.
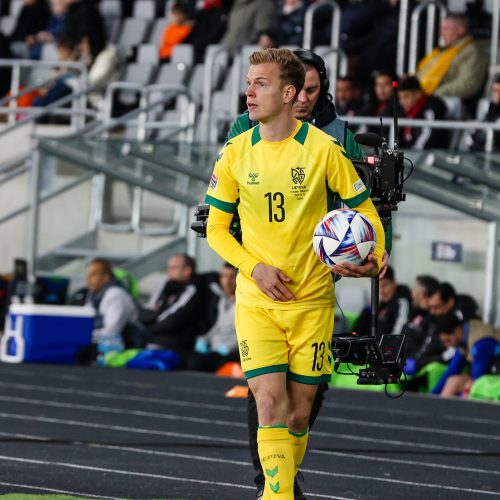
<point x="172" y="321"/>
<point x="417" y="105"/>
<point x="32" y="19"/>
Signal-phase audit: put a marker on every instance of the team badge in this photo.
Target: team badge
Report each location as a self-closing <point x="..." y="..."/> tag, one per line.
<point x="298" y="175"/>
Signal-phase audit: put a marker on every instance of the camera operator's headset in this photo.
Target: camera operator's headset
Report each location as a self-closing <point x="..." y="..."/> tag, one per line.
<point x="308" y="57"/>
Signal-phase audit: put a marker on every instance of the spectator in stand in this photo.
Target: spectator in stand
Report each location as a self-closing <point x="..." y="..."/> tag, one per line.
<point x="61" y="86"/>
<point x="247" y="18"/>
<point x="84" y="19"/>
<point x="53" y="30"/>
<point x="348" y="97"/>
<point x="116" y="320"/>
<point x="474" y="342"/>
<point x="393" y="310"/>
<point x="177" y="31"/>
<point x="492" y="116"/>
<point x="459" y="67"/>
<point x="208" y="27"/>
<point x="288" y="24"/>
<point x="32" y="19"/>
<point x="415" y="104"/>
<point x="381" y="101"/>
<point x="420" y="318"/>
<point x="266" y="40"/>
<point x="172" y="320"/>
<point x="368" y="35"/>
<point x="219" y="345"/>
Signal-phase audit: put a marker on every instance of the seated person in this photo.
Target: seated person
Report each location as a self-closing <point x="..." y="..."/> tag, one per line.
<point x="219" y="345"/>
<point x="417" y="105"/>
<point x="475" y="342"/>
<point x="288" y="23"/>
<point x="459" y="68"/>
<point x="420" y="318"/>
<point x="67" y="52"/>
<point x="393" y="310"/>
<point x="51" y="32"/>
<point x="116" y="320"/>
<point x="176" y="32"/>
<point x="492" y="116"/>
<point x="381" y="102"/>
<point x="348" y="97"/>
<point x="174" y="313"/>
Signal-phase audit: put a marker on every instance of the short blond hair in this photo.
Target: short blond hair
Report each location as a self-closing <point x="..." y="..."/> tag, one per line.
<point x="292" y="71"/>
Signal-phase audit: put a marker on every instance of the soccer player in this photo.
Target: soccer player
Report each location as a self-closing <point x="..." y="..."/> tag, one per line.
<point x="283" y="172"/>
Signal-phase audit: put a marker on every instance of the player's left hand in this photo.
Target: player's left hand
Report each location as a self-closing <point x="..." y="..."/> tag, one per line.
<point x="368" y="270"/>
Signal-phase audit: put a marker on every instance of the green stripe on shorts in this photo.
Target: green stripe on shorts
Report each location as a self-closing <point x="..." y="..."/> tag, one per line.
<point x="304" y="379"/>
<point x="266" y="369"/>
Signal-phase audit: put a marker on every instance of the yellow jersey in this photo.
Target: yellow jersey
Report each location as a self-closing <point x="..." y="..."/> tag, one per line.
<point x="282" y="190"/>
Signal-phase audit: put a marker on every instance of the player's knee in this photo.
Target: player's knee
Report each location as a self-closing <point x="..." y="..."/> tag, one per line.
<point x="271" y="409"/>
<point x="298" y="420"/>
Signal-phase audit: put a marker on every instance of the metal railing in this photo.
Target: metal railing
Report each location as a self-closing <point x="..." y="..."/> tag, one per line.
<point x="307" y="41"/>
<point x="78" y="99"/>
<point x="430" y="7"/>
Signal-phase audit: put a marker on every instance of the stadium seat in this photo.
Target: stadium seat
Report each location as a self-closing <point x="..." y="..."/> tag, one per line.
<point x="183" y="53"/>
<point x="49" y="52"/>
<point x="147" y="52"/>
<point x="176" y="74"/>
<point x="144" y="9"/>
<point x="133" y="33"/>
<point x="15" y="8"/>
<point x="141" y="73"/>
<point x="110" y="8"/>
<point x="454" y="113"/>
<point x="7" y="25"/>
<point x="157" y="31"/>
<point x="244" y="54"/>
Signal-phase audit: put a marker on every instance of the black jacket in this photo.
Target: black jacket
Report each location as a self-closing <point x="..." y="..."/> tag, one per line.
<point x="176" y="322"/>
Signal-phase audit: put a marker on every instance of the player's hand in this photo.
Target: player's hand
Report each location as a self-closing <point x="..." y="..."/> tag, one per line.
<point x="271" y="281"/>
<point x="385" y="263"/>
<point x="367" y="270"/>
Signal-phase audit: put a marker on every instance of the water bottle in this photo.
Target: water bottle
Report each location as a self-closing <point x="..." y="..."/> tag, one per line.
<point x="107" y="345"/>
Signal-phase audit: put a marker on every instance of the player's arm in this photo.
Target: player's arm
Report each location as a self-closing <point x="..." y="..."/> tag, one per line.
<point x="343" y="178"/>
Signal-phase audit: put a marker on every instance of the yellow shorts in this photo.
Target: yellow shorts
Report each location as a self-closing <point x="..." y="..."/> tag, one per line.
<point x="297" y="341"/>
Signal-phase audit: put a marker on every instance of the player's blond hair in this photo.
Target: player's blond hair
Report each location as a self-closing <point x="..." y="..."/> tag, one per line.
<point x="292" y="71"/>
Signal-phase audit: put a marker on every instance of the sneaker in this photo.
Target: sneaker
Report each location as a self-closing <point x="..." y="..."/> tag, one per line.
<point x="297" y="490"/>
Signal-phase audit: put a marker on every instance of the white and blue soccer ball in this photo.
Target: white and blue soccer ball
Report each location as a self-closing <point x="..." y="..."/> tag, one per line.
<point x="343" y="236"/>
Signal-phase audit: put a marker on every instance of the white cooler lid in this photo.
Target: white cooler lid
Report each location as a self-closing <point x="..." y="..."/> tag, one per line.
<point x="48" y="310"/>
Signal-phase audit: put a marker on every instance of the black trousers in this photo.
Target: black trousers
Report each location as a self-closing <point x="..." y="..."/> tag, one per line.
<point x="253" y="421"/>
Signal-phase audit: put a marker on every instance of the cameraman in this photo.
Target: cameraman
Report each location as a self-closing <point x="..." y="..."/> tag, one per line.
<point x="315" y="105"/>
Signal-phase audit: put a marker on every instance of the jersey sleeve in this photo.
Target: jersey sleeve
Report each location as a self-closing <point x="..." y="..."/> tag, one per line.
<point x="222" y="189"/>
<point x="342" y="177"/>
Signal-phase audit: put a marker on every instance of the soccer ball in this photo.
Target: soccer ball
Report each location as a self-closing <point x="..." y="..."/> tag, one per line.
<point x="343" y="236"/>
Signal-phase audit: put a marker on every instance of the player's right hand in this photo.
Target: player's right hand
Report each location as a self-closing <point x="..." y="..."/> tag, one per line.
<point x="271" y="281"/>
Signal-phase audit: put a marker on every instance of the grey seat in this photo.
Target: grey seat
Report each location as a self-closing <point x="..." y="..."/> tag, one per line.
<point x="138" y="72"/>
<point x="175" y="74"/>
<point x="157" y="31"/>
<point x="7" y="25"/>
<point x="183" y="53"/>
<point x="144" y="9"/>
<point x="49" y="52"/>
<point x="133" y="33"/>
<point x="147" y="52"/>
<point x="110" y="8"/>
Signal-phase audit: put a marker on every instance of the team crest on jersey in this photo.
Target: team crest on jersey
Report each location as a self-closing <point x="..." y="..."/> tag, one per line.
<point x="298" y="175"/>
<point x="244" y="349"/>
<point x="253" y="178"/>
<point x="213" y="182"/>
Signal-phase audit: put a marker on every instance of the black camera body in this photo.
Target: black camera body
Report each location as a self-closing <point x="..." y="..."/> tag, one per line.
<point x="383" y="359"/>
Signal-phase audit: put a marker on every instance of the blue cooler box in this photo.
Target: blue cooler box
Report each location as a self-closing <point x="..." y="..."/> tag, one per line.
<point x="44" y="333"/>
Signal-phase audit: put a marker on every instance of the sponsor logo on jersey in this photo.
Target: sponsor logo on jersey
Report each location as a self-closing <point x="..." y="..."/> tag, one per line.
<point x="213" y="182"/>
<point x="358" y="185"/>
<point x="298" y="175"/>
<point x="253" y="176"/>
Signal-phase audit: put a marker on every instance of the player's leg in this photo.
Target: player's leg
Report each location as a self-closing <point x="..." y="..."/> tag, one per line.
<point x="455" y="385"/>
<point x="264" y="359"/>
<point x="309" y="335"/>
